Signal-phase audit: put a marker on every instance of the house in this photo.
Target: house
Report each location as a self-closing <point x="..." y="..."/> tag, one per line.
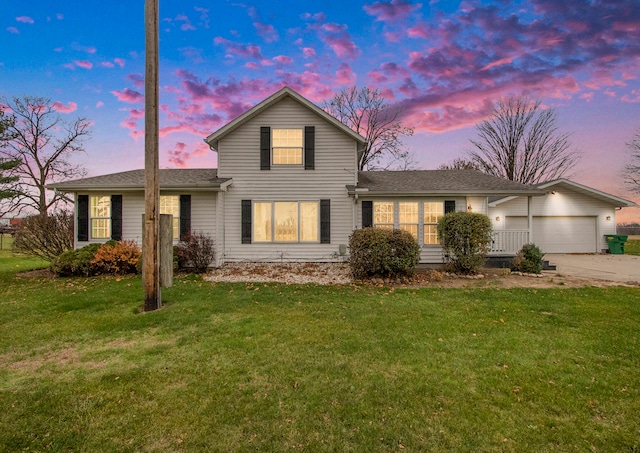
<point x="568" y="218"/>
<point x="287" y="188"/>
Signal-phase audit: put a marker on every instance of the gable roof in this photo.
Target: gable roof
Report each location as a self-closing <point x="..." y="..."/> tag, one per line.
<point x="175" y="178"/>
<point x="213" y="139"/>
<point x="437" y="182"/>
<point x="582" y="189"/>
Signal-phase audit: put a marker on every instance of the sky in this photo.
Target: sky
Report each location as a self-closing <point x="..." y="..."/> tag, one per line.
<point x="445" y="63"/>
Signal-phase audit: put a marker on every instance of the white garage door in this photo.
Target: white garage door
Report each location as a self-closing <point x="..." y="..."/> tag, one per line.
<point x="565" y="234"/>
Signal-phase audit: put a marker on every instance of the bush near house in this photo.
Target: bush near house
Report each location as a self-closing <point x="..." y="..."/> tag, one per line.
<point x="528" y="259"/>
<point x="112" y="257"/>
<point x="46" y="236"/>
<point x="377" y="251"/>
<point x="196" y="252"/>
<point x="465" y="239"/>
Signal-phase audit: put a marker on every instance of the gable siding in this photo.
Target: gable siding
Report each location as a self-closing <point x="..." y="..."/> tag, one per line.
<point x="335" y="167"/>
<point x="564" y="202"/>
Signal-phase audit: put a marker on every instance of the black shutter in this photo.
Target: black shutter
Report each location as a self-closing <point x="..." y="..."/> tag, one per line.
<point x="116" y="217"/>
<point x="265" y="148"/>
<point x="246" y="221"/>
<point x="185" y="217"/>
<point x="325" y="221"/>
<point x="367" y="214"/>
<point x="309" y="147"/>
<point x="449" y="206"/>
<point x="83" y="218"/>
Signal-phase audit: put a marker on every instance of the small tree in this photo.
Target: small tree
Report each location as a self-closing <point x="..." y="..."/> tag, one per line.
<point x="459" y="164"/>
<point x="196" y="251"/>
<point x="465" y="239"/>
<point x="631" y="172"/>
<point x="367" y="112"/>
<point x="522" y="142"/>
<point x="45" y="235"/>
<point x="43" y="143"/>
<point x="528" y="259"/>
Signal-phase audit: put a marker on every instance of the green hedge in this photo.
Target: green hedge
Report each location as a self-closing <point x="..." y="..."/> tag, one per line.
<point x="465" y="239"/>
<point x="384" y="252"/>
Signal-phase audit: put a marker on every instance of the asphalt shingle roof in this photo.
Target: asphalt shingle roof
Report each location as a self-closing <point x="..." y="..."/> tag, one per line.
<point x="183" y="178"/>
<point x="438" y="182"/>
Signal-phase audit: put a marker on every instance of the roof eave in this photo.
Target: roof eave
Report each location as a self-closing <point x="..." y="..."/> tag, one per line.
<point x="439" y="193"/>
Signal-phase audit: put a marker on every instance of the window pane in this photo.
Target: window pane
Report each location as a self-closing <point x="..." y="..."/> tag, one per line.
<point x="432" y="212"/>
<point x="100" y="206"/>
<point x="287" y="138"/>
<point x="408" y="212"/>
<point x="170" y="204"/>
<point x="286" y="221"/>
<point x="430" y="234"/>
<point x="100" y="228"/>
<point x="262" y="222"/>
<point x="287" y="156"/>
<point x="383" y="213"/>
<point x="413" y="229"/>
<point x="309" y="221"/>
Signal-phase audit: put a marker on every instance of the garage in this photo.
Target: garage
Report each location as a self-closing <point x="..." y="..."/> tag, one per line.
<point x="562" y="234"/>
<point x="565" y="234"/>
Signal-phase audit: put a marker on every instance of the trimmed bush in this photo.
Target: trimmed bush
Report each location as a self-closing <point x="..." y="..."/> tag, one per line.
<point x="117" y="258"/>
<point x="196" y="252"/>
<point x="528" y="259"/>
<point x="465" y="239"/>
<point x="75" y="262"/>
<point x="378" y="251"/>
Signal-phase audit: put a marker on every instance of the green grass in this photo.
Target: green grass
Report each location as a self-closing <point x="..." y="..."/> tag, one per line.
<point x="632" y="247"/>
<point x="269" y="367"/>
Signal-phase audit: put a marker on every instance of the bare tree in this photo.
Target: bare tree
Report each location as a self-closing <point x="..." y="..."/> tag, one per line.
<point x="43" y="144"/>
<point x="631" y="172"/>
<point x="459" y="163"/>
<point x="367" y="112"/>
<point x="522" y="142"/>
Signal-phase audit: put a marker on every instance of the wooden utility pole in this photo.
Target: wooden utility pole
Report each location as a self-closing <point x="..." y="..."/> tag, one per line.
<point x="150" y="249"/>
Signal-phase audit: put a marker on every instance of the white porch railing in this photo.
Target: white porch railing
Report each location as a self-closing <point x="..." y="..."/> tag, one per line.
<point x="508" y="242"/>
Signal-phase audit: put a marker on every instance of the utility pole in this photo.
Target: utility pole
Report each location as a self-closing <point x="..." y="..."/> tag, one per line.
<point x="150" y="245"/>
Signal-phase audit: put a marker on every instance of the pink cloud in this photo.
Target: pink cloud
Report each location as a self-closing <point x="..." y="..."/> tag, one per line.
<point x="83" y="64"/>
<point x="309" y="52"/>
<point x="179" y="155"/>
<point x="391" y="11"/>
<point x="13" y="30"/>
<point x="99" y="104"/>
<point x="107" y="64"/>
<point x="267" y="32"/>
<point x="128" y="95"/>
<point x="119" y="62"/>
<point x="283" y="59"/>
<point x="25" y="19"/>
<point x="345" y="75"/>
<point x="60" y="107"/>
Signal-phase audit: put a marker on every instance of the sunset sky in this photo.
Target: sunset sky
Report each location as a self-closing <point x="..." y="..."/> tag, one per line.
<point x="443" y="62"/>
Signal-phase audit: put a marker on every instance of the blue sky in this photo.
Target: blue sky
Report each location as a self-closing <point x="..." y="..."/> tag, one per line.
<point x="444" y="62"/>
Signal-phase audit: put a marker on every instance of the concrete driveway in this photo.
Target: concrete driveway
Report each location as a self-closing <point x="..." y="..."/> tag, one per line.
<point x="619" y="268"/>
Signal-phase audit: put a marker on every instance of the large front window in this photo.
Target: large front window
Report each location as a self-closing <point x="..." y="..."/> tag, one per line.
<point x="287" y="146"/>
<point x="100" y="212"/>
<point x="170" y="204"/>
<point x="285" y="221"/>
<point x="432" y="213"/>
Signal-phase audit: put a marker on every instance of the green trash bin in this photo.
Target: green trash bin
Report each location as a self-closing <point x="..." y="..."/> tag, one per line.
<point x="616" y="243"/>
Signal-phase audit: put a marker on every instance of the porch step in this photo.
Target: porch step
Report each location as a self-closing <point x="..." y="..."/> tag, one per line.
<point x="548" y="267"/>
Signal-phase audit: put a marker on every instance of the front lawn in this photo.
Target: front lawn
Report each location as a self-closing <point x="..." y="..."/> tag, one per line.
<point x="632" y="247"/>
<point x="270" y="367"/>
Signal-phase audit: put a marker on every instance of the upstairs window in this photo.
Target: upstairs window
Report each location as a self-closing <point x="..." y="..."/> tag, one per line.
<point x="287" y="145"/>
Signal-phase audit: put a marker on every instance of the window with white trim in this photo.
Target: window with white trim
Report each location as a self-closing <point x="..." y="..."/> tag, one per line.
<point x="170" y="204"/>
<point x="408" y="217"/>
<point x="286" y="221"/>
<point x="100" y="216"/>
<point x="432" y="212"/>
<point x="383" y="214"/>
<point x="287" y="145"/>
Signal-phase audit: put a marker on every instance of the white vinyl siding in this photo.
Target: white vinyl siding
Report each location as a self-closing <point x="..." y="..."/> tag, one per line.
<point x="334" y="169"/>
